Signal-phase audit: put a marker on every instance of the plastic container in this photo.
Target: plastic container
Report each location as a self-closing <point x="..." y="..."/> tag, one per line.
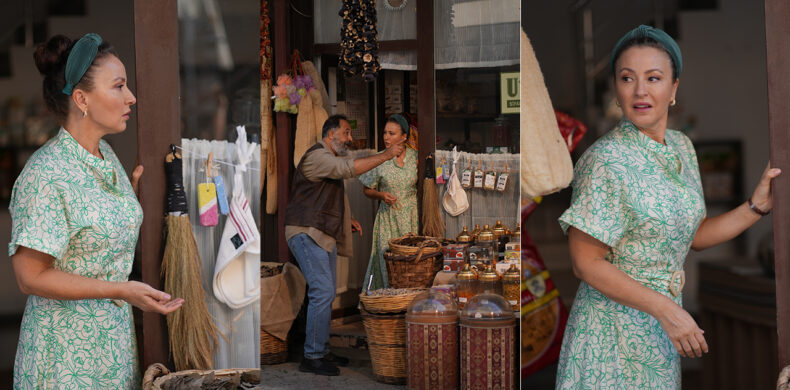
<point x="432" y="333"/>
<point x="488" y="343"/>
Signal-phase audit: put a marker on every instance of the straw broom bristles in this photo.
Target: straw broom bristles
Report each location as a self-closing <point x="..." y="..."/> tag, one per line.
<point x="433" y="225"/>
<point x="193" y="335"/>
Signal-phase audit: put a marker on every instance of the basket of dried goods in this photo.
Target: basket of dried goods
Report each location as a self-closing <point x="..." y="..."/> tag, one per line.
<point x="388" y="300"/>
<point x="386" y="335"/>
<point x="158" y="377"/>
<point x="273" y="349"/>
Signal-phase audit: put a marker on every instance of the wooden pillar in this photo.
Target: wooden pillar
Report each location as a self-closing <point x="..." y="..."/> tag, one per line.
<point x="777" y="38"/>
<point x="158" y="125"/>
<point x="282" y="124"/>
<point x="426" y="101"/>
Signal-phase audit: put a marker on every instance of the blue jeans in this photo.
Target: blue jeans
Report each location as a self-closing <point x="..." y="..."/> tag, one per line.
<point x="320" y="270"/>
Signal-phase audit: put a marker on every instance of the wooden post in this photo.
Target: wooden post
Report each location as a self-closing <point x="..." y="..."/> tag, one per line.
<point x="426" y="102"/>
<point x="777" y="38"/>
<point x="158" y="125"/>
<point x="282" y="123"/>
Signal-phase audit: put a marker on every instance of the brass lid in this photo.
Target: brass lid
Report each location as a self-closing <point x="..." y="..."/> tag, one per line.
<point x="466" y="273"/>
<point x="489" y="275"/>
<point x="464" y="236"/>
<point x="512" y="274"/>
<point x="486" y="234"/>
<point x="516" y="236"/>
<point x="476" y="231"/>
<point x="499" y="229"/>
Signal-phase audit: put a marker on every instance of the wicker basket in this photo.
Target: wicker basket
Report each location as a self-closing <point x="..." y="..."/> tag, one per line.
<point x="411" y="244"/>
<point x="380" y="304"/>
<point x="412" y="271"/>
<point x="273" y="350"/>
<point x="157" y="374"/>
<point x="387" y="342"/>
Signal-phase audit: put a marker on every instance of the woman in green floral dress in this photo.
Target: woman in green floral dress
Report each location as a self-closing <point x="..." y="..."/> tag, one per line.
<point x="637" y="208"/>
<point x="75" y="222"/>
<point x="394" y="183"/>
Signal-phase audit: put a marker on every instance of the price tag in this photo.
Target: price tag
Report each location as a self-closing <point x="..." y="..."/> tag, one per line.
<point x="466" y="178"/>
<point x="501" y="183"/>
<point x="490" y="181"/>
<point x="478" y="178"/>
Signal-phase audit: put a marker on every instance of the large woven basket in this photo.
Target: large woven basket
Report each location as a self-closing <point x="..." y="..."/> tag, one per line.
<point x="156" y="375"/>
<point x="412" y="271"/>
<point x="273" y="350"/>
<point x="411" y="244"/>
<point x="387" y="344"/>
<point x="379" y="304"/>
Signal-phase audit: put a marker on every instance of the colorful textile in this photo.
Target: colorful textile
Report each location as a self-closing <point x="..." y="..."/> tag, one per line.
<point x="644" y="200"/>
<point x="82" y="211"/>
<point x="391" y="221"/>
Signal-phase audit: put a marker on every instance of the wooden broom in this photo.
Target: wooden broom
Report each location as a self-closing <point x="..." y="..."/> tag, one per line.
<point x="193" y="335"/>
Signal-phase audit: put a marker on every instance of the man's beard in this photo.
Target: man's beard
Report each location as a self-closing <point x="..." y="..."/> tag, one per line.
<point x="340" y="148"/>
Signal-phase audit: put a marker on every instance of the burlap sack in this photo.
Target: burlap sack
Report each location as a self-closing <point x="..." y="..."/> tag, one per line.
<point x="281" y="299"/>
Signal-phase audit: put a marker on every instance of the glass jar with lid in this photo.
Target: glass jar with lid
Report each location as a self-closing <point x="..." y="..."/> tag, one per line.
<point x="476" y="231"/>
<point x="465" y="284"/>
<point x="464" y="236"/>
<point x="511" y="286"/>
<point x="490" y="282"/>
<point x="487" y="324"/>
<point x="431" y="330"/>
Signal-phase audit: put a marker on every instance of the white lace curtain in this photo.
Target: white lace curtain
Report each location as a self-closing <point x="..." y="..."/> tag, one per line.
<point x="467" y="34"/>
<point x="240" y="326"/>
<point x="485" y="207"/>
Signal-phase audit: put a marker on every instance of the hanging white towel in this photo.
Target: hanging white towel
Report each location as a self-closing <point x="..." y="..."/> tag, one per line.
<point x="237" y="280"/>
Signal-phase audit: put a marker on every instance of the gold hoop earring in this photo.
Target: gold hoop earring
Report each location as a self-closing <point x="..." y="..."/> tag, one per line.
<point x="672" y="103"/>
<point x="85" y="112"/>
<point x="617" y="103"/>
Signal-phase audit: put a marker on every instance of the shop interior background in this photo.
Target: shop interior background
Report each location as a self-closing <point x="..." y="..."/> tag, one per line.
<point x="722" y="107"/>
<point x="25" y="124"/>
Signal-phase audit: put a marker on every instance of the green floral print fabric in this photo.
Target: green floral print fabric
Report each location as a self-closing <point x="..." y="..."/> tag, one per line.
<point x="391" y="221"/>
<point x="644" y="200"/>
<point x="82" y="211"/>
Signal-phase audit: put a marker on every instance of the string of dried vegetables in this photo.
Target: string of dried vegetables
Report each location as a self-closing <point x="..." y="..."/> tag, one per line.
<point x="268" y="145"/>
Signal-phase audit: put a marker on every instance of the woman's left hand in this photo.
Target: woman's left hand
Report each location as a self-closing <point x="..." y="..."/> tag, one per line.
<point x="136" y="174"/>
<point x="761" y="197"/>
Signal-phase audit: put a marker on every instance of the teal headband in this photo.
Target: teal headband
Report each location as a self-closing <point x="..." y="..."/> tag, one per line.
<point x="643" y="32"/>
<point x="80" y="59"/>
<point x="404" y="124"/>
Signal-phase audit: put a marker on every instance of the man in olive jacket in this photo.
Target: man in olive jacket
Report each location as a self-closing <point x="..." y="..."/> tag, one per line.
<point x="318" y="227"/>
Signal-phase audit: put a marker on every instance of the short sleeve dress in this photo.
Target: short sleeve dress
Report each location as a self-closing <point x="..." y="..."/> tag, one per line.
<point x="391" y="221"/>
<point x="644" y="200"/>
<point x="82" y="211"/>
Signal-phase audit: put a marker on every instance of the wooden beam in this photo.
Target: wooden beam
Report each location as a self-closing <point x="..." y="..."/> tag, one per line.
<point x="282" y="124"/>
<point x="426" y="102"/>
<point x="158" y="125"/>
<point x="393" y="45"/>
<point x="777" y="31"/>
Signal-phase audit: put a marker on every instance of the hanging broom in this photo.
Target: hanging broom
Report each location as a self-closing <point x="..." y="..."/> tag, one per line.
<point x="432" y="223"/>
<point x="193" y="335"/>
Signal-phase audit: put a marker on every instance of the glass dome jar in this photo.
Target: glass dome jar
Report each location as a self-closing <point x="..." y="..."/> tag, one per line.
<point x="432" y="330"/>
<point x="432" y="303"/>
<point x="487" y="307"/>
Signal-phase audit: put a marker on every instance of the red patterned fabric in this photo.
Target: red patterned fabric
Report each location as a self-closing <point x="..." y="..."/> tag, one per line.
<point x="433" y="356"/>
<point x="488" y="358"/>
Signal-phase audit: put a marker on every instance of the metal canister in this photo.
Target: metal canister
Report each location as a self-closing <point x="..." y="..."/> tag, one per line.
<point x="465" y="284"/>
<point x="511" y="286"/>
<point x="490" y="282"/>
<point x="476" y="231"/>
<point x="488" y="344"/>
<point x="432" y="333"/>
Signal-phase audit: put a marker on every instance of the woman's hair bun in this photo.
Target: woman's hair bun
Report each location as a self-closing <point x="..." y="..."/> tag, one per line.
<point x="51" y="56"/>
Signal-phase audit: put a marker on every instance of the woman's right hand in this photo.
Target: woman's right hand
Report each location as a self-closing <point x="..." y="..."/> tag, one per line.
<point x="686" y="335"/>
<point x="148" y="298"/>
<point x="388" y="198"/>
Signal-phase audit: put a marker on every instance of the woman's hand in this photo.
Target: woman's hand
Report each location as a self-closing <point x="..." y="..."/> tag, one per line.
<point x="686" y="336"/>
<point x="761" y="197"/>
<point x="388" y="198"/>
<point x="148" y="298"/>
<point x="136" y="174"/>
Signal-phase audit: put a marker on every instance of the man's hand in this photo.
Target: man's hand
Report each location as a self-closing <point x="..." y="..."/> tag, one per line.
<point x="355" y="226"/>
<point x="396" y="149"/>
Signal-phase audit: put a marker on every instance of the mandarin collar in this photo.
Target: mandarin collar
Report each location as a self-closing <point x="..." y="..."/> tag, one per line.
<point x="103" y="169"/>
